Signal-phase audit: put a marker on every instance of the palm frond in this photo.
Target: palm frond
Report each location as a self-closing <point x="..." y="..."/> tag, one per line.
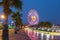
<point x="1" y="3"/>
<point x="17" y="4"/>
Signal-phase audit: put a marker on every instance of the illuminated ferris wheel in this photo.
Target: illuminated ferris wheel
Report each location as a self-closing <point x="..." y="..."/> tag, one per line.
<point x="33" y="17"/>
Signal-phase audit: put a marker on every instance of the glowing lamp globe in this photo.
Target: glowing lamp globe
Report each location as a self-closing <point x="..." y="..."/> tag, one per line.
<point x="33" y="17"/>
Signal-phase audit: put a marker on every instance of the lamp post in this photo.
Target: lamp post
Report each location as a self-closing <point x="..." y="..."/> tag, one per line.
<point x="1" y="17"/>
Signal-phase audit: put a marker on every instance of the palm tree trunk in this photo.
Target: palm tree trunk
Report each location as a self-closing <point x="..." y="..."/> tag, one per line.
<point x="5" y="35"/>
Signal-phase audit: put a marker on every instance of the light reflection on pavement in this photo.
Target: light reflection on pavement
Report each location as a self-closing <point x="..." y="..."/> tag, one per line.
<point x="0" y="34"/>
<point x="11" y="31"/>
<point x="31" y="34"/>
<point x="34" y="35"/>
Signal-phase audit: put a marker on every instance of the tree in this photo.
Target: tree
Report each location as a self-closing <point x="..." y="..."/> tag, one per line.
<point x="48" y="24"/>
<point x="17" y="19"/>
<point x="7" y="4"/>
<point x="45" y="24"/>
<point x="41" y="24"/>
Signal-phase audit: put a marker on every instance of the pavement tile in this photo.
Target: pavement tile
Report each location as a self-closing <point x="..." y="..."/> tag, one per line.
<point x="21" y="35"/>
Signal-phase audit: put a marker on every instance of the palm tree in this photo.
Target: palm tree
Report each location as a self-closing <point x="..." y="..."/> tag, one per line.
<point x="17" y="19"/>
<point x="45" y="24"/>
<point x="7" y="4"/>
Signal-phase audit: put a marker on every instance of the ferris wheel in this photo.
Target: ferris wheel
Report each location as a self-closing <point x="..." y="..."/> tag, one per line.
<point x="33" y="17"/>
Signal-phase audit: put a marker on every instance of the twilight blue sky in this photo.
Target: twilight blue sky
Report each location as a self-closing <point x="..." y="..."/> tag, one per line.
<point x="48" y="10"/>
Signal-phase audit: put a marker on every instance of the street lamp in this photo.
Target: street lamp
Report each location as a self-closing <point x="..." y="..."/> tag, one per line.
<point x="2" y="16"/>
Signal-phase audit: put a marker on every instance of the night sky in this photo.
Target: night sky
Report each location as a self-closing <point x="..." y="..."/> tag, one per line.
<point x="48" y="10"/>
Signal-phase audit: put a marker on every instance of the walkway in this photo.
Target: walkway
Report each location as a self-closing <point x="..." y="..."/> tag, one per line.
<point x="20" y="36"/>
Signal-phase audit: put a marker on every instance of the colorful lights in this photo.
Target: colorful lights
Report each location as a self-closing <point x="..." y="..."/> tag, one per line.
<point x="33" y="17"/>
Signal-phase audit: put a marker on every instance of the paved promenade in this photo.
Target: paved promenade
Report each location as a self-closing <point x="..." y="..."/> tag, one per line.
<point x="20" y="36"/>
